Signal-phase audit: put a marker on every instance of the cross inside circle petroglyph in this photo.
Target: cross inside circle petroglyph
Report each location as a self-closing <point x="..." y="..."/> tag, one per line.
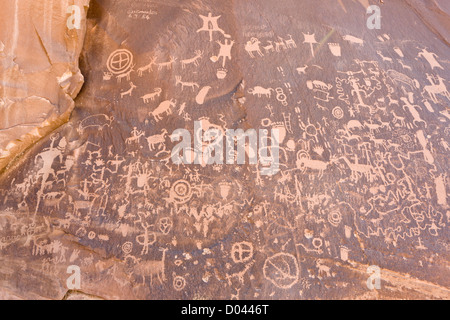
<point x="120" y="61"/>
<point x="242" y="252"/>
<point x="282" y="270"/>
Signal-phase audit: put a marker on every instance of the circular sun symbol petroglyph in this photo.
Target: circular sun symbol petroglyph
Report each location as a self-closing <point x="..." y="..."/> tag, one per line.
<point x="282" y="270"/>
<point x="242" y="252"/>
<point x="127" y="247"/>
<point x="120" y="61"/>
<point x="338" y="113"/>
<point x="179" y="283"/>
<point x="181" y="191"/>
<point x="335" y="218"/>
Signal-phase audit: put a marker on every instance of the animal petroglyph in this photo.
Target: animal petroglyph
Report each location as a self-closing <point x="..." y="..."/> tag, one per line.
<point x="192" y="85"/>
<point x="153" y="179"/>
<point x="198" y="56"/>
<point x="152" y="96"/>
<point x="164" y="108"/>
<point x="152" y="268"/>
<point x="260" y="91"/>
<point x="253" y="46"/>
<point x="353" y="40"/>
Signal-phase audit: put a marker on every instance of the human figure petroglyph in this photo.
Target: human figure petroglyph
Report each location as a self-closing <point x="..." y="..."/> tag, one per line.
<point x="358" y="88"/>
<point x="430" y="57"/>
<point x="225" y="51"/>
<point x="137" y="182"/>
<point x="48" y="157"/>
<point x="358" y="91"/>
<point x="148" y="238"/>
<point x="211" y="25"/>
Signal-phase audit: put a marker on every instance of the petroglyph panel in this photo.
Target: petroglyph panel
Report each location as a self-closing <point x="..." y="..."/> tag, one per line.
<point x="344" y="132"/>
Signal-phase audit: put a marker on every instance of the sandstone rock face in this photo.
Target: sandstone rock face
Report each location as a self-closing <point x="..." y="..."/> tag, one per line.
<point x="348" y="194"/>
<point x="39" y="53"/>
